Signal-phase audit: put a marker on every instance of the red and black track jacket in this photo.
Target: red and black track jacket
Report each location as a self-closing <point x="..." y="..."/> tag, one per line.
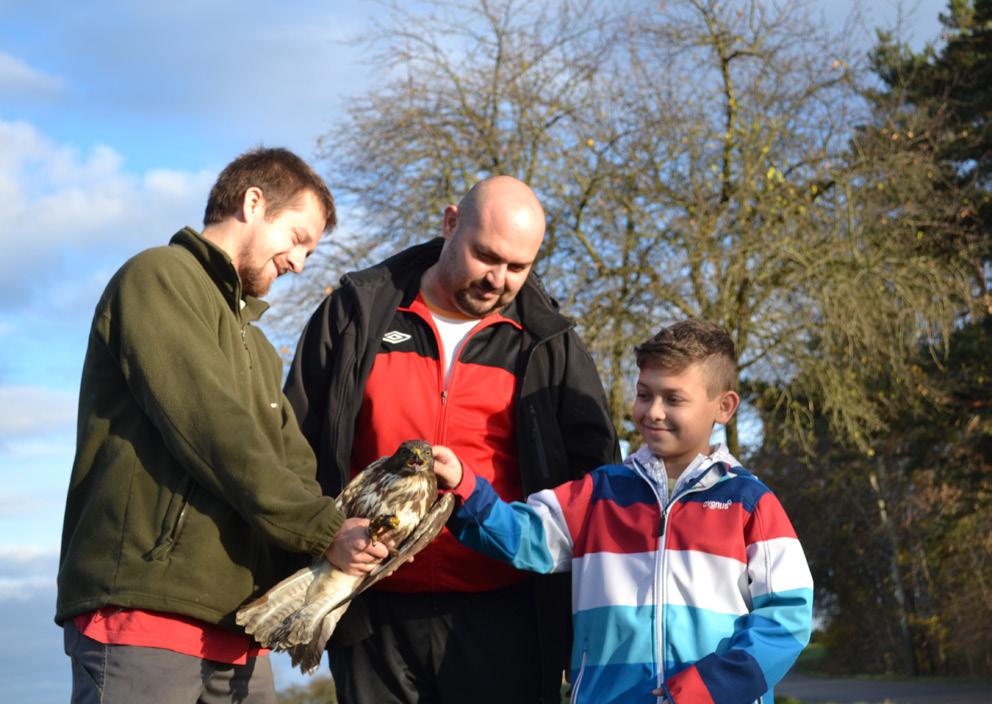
<point x="558" y="422"/>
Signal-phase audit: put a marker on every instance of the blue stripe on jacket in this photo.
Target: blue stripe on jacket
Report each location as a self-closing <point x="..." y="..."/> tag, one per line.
<point x="509" y="532"/>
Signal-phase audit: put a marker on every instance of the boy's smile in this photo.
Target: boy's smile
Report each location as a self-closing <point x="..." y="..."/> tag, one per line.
<point x="675" y="414"/>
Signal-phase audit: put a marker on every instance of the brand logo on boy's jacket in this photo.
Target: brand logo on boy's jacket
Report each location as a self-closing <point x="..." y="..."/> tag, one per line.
<point x="721" y="505"/>
<point x="394" y="337"/>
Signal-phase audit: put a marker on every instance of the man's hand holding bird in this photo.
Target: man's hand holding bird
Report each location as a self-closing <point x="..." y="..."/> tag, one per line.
<point x="393" y="511"/>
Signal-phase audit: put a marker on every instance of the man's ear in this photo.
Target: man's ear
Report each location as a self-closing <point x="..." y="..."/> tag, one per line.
<point x="449" y="221"/>
<point x="253" y="204"/>
<point x="729" y="401"/>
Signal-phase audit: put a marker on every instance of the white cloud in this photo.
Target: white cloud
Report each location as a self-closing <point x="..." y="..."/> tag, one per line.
<point x="248" y="73"/>
<point x="26" y="553"/>
<point x="175" y="184"/>
<point x="24" y="588"/>
<point x="26" y="410"/>
<point x="85" y="209"/>
<point x="37" y="443"/>
<point x="34" y="667"/>
<point x="13" y="505"/>
<point x="17" y="76"/>
<point x="25" y="570"/>
<point x="32" y="511"/>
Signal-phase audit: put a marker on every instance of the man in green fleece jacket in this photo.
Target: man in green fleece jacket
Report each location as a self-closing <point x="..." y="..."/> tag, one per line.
<point x="192" y="485"/>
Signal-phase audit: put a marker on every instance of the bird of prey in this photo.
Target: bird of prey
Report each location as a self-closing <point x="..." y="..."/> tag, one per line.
<point x="398" y="494"/>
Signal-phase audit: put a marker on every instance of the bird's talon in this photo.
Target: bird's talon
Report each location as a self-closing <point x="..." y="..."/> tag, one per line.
<point x="380" y="525"/>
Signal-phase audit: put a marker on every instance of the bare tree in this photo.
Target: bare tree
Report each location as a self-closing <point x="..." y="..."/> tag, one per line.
<point x="695" y="158"/>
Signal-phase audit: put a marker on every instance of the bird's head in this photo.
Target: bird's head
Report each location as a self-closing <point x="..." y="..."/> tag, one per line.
<point x="415" y="456"/>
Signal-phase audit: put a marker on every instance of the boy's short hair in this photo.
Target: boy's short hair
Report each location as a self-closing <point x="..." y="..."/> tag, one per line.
<point x="688" y="342"/>
<point x="282" y="176"/>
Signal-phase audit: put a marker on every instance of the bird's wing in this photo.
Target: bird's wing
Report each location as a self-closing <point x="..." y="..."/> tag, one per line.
<point x="428" y="528"/>
<point x="358" y="483"/>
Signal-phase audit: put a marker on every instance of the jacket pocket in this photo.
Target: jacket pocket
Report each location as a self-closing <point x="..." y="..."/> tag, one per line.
<point x="173" y="522"/>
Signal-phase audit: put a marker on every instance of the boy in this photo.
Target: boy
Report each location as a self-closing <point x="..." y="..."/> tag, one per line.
<point x="710" y="574"/>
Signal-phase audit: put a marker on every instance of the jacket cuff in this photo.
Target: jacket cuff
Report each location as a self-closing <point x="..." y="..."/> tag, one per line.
<point x="687" y="686"/>
<point x="466" y="486"/>
<point x="334" y="520"/>
<point x="666" y="695"/>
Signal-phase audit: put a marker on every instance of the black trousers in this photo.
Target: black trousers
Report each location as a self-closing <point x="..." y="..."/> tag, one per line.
<point x="446" y="648"/>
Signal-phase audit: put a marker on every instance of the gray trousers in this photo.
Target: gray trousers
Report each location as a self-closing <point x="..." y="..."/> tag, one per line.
<point x="127" y="674"/>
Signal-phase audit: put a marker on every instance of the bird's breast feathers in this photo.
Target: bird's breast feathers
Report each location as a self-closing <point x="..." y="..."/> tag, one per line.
<point x="406" y="497"/>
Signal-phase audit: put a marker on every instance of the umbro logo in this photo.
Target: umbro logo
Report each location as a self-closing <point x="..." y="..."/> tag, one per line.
<point x="395" y="337"/>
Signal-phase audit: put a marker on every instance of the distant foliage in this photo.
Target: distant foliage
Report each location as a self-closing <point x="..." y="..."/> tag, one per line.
<point x="899" y="533"/>
<point x="900" y="539"/>
<point x="320" y="690"/>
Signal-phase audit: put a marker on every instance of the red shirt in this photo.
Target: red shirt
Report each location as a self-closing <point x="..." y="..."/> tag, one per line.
<point x="112" y="625"/>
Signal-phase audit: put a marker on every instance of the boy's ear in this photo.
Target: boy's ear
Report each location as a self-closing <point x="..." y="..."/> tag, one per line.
<point x="729" y="401"/>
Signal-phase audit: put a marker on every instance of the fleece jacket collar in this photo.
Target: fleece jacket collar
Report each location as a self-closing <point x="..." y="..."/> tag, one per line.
<point x="218" y="266"/>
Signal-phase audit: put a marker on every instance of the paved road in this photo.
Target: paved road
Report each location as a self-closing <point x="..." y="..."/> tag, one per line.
<point x="841" y="691"/>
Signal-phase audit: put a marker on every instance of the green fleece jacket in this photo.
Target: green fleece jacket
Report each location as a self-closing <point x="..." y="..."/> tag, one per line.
<point x="191" y="481"/>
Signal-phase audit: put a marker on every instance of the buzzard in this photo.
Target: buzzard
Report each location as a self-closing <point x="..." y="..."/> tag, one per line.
<point x="398" y="494"/>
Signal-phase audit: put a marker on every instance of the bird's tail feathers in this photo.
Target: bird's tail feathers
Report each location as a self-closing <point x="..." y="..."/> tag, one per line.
<point x="318" y="614"/>
<point x="266" y="616"/>
<point x="307" y="656"/>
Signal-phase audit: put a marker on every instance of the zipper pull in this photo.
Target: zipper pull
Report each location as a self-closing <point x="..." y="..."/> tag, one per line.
<point x="244" y="341"/>
<point x="444" y="397"/>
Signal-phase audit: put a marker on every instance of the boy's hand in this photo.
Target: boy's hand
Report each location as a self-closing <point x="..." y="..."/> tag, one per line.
<point x="447" y="467"/>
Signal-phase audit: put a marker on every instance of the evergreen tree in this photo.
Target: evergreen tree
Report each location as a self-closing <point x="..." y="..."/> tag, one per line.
<point x="899" y="532"/>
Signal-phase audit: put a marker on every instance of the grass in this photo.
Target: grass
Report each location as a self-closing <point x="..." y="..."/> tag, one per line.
<point x="813" y="660"/>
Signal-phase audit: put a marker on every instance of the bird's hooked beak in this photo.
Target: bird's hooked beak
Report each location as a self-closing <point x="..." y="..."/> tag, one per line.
<point x="422" y="458"/>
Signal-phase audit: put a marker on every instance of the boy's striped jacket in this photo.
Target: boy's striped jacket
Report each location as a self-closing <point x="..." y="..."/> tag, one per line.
<point x="707" y="595"/>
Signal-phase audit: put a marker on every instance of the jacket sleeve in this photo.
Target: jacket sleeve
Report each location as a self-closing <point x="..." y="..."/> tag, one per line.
<point x="306" y="383"/>
<point x="583" y="414"/>
<point x="531" y="536"/>
<point x="308" y="387"/>
<point x="299" y="455"/>
<point x="161" y="329"/>
<point x="768" y="641"/>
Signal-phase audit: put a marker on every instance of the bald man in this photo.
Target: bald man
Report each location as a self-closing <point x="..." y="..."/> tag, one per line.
<point x="456" y="342"/>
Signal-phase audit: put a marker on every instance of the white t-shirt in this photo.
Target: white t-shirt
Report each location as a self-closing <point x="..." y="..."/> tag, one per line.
<point x="453" y="333"/>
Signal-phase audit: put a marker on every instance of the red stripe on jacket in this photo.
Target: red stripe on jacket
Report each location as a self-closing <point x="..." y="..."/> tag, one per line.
<point x="574" y="497"/>
<point x="773" y="522"/>
<point x="618" y="529"/>
<point x="402" y="400"/>
<point x="707" y="526"/>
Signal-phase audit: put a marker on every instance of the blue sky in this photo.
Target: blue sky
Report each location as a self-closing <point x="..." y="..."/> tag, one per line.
<point x="115" y="118"/>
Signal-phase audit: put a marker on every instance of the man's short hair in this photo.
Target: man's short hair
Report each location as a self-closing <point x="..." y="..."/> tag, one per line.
<point x="688" y="342"/>
<point x="282" y="177"/>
